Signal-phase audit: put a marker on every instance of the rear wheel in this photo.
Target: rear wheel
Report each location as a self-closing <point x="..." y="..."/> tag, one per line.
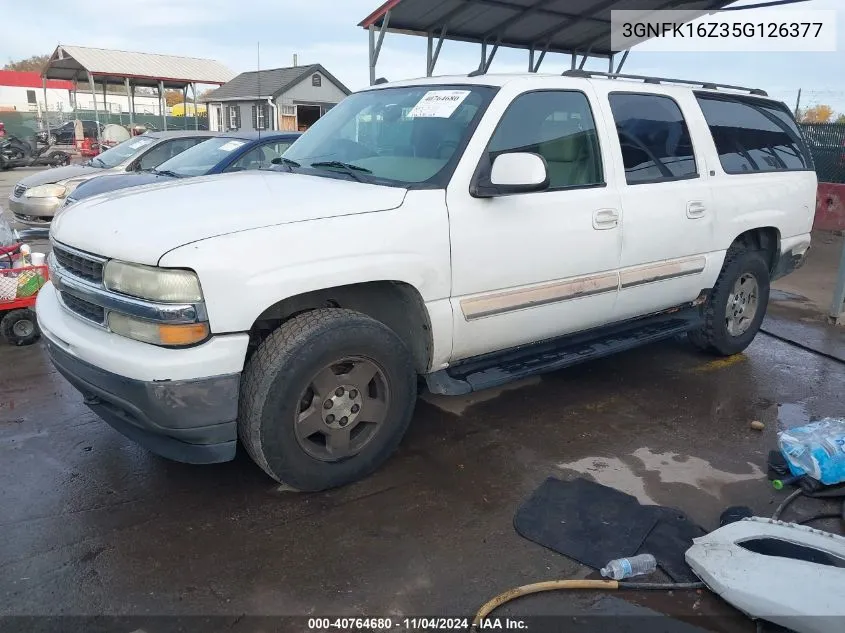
<point x="736" y="306"/>
<point x="326" y="399"/>
<point x="20" y="327"/>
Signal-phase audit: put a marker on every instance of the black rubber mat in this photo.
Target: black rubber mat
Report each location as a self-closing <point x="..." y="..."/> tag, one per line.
<point x="594" y="524"/>
<point x="669" y="540"/>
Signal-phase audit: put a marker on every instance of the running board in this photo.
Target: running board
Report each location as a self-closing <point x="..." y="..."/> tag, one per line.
<point x="500" y="368"/>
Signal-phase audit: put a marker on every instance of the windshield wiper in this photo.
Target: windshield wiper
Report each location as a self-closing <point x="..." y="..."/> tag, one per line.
<point x="166" y="172"/>
<point x="347" y="168"/>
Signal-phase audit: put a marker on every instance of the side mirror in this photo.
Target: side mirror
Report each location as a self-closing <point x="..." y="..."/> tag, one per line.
<point x="515" y="172"/>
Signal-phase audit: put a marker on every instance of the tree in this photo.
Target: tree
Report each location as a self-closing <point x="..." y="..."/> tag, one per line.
<point x="841" y="119"/>
<point x="817" y="114"/>
<point x="35" y="63"/>
<point x="172" y="97"/>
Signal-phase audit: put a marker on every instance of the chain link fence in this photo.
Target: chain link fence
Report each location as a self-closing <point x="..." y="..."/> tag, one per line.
<point x="26" y="124"/>
<point x="826" y="142"/>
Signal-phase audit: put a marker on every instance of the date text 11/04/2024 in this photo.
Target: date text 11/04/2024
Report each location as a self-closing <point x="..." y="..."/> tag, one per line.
<point x="412" y="624"/>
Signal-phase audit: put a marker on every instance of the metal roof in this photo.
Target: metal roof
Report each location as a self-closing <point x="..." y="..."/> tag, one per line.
<point x="556" y="26"/>
<point x="269" y="83"/>
<point x="143" y="69"/>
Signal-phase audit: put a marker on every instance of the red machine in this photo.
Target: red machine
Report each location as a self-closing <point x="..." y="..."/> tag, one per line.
<point x="88" y="147"/>
<point x="19" y="286"/>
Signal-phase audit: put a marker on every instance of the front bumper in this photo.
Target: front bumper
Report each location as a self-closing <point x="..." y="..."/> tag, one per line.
<point x="191" y="421"/>
<point x="34" y="211"/>
<point x="179" y="403"/>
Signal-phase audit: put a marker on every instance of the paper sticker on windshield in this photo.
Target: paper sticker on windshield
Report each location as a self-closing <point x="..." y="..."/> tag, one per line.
<point x="140" y="143"/>
<point x="231" y="145"/>
<point x="438" y="103"/>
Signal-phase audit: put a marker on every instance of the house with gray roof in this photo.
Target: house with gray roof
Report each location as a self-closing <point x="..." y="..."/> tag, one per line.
<point x="277" y="99"/>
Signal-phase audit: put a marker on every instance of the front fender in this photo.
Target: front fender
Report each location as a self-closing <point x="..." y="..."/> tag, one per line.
<point x="242" y="274"/>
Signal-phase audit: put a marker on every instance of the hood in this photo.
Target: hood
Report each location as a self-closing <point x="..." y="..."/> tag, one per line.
<point x="143" y="223"/>
<point x="61" y="174"/>
<point x="113" y="182"/>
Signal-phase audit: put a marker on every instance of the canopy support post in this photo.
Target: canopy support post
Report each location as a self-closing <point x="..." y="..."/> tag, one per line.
<point x="375" y="46"/>
<point x="622" y="61"/>
<point x="435" y="54"/>
<point x="196" y="112"/>
<point x="106" y="103"/>
<point x="96" y="111"/>
<point x="46" y="106"/>
<point x="162" y="104"/>
<point x="131" y="101"/>
<point x="489" y="59"/>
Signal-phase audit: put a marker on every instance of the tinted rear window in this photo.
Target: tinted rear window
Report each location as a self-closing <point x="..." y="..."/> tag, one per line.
<point x="752" y="135"/>
<point x="655" y="141"/>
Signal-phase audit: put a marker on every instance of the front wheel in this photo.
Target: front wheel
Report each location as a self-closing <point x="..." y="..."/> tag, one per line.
<point x="326" y="399"/>
<point x="736" y="306"/>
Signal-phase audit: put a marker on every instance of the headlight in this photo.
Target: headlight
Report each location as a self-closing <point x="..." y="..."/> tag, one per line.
<point x="149" y="282"/>
<point x="157" y="333"/>
<point x="46" y="191"/>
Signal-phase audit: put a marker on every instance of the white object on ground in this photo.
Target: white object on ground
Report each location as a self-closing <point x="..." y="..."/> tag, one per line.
<point x="622" y="568"/>
<point x="800" y="595"/>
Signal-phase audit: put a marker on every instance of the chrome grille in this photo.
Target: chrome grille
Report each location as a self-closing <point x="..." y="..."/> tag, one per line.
<point x="85" y="309"/>
<point x="79" y="265"/>
<point x="19" y="191"/>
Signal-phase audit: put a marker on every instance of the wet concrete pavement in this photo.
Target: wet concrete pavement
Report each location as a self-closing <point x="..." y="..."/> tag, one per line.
<point x="93" y="524"/>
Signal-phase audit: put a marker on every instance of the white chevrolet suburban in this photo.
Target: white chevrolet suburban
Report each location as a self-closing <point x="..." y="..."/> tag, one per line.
<point x="466" y="230"/>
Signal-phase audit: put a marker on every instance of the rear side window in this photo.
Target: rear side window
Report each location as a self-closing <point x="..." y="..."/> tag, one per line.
<point x="655" y="140"/>
<point x="753" y="135"/>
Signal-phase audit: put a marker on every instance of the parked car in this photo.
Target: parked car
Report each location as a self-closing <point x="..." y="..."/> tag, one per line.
<point x="235" y="151"/>
<point x="35" y="199"/>
<point x="65" y="133"/>
<point x="467" y="230"/>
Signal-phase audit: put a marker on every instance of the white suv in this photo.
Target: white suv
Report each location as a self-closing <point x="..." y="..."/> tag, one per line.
<point x="469" y="230"/>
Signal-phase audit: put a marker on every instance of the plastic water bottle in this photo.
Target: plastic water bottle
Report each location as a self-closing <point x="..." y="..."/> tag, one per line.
<point x="816" y="449"/>
<point x="631" y="566"/>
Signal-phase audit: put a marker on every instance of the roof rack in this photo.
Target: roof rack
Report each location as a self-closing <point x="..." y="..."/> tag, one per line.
<point x="659" y="80"/>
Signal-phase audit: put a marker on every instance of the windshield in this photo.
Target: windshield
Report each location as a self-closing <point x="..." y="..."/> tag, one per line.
<point x="199" y="159"/>
<point x="119" y="153"/>
<point x="400" y="136"/>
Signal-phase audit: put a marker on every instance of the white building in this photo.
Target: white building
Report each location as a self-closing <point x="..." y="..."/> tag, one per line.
<point x="24" y="92"/>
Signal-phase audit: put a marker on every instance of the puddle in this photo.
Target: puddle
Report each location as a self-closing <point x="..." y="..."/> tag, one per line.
<point x="792" y="414"/>
<point x="614" y="473"/>
<point x="670" y="468"/>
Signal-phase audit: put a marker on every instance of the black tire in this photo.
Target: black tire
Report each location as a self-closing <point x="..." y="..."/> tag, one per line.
<point x="714" y="337"/>
<point x="20" y="327"/>
<point x="278" y="379"/>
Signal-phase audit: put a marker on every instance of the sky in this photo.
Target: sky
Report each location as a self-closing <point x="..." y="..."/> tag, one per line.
<point x="325" y="31"/>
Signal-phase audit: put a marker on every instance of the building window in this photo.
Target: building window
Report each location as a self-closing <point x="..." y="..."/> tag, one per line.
<point x="260" y="115"/>
<point x="30" y="97"/>
<point x="316" y="80"/>
<point x="234" y="117"/>
<point x="288" y="110"/>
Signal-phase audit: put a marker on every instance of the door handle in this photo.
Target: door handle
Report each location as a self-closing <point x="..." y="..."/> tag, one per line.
<point x="605" y="219"/>
<point x="695" y="209"/>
